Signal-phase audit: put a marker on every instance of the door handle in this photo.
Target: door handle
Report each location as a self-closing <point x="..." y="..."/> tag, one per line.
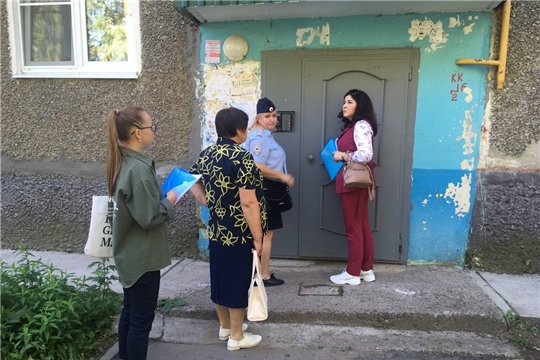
<point x="311" y="157"/>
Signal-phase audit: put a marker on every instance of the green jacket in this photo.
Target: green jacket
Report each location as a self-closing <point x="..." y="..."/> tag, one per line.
<point x="140" y="241"/>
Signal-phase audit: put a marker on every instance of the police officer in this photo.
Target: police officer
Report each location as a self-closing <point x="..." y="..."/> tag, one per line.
<point x="271" y="160"/>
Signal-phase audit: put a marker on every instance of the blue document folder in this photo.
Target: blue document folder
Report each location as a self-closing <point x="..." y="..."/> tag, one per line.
<point x="326" y="155"/>
<point x="180" y="181"/>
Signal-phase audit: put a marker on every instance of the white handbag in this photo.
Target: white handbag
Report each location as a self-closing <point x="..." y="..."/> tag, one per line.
<point x="99" y="243"/>
<point x="257" y="300"/>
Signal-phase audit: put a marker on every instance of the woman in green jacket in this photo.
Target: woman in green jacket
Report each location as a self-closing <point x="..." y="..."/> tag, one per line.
<point x="140" y="241"/>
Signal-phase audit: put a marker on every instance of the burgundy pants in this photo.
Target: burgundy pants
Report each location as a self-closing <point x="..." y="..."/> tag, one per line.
<point x="355" y="213"/>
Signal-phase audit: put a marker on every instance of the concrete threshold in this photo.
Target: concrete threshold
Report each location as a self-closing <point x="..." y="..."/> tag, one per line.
<point x="402" y="298"/>
<point x="188" y="332"/>
<point x="344" y="337"/>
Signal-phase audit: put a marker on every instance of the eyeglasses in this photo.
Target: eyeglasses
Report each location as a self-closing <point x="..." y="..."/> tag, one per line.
<point x="153" y="127"/>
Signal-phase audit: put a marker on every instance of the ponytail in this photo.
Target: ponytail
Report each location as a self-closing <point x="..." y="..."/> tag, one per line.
<point x="119" y="126"/>
<point x="114" y="153"/>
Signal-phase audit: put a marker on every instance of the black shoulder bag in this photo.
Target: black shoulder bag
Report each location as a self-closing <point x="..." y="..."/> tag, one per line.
<point x="278" y="198"/>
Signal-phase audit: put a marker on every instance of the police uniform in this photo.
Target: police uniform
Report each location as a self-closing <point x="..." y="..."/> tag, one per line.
<point x="265" y="150"/>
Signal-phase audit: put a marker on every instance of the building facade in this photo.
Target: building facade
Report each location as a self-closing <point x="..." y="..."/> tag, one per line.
<point x="53" y="120"/>
<point x="458" y="159"/>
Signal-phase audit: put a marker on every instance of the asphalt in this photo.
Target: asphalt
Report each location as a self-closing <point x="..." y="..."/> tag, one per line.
<point x="408" y="308"/>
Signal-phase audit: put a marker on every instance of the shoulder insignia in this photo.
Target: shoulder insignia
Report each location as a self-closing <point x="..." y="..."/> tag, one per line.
<point x="257" y="148"/>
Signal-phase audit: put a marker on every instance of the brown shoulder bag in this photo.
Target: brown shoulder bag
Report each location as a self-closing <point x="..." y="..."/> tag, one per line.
<point x="358" y="175"/>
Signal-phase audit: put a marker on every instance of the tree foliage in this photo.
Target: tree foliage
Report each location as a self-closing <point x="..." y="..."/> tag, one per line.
<point x="105" y="23"/>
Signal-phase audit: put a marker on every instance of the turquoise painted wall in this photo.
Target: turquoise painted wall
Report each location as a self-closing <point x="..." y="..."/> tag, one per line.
<point x="447" y="124"/>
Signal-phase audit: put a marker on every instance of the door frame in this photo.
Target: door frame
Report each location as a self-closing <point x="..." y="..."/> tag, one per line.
<point x="408" y="141"/>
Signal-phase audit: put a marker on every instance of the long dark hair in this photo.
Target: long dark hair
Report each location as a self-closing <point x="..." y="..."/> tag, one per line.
<point x="119" y="125"/>
<point x="364" y="111"/>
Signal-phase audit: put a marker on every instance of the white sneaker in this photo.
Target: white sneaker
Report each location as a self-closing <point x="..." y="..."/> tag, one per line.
<point x="224" y="333"/>
<point x="345" y="278"/>
<point x="367" y="276"/>
<point x="248" y="341"/>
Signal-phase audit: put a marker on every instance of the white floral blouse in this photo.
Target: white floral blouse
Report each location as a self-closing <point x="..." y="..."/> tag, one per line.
<point x="363" y="135"/>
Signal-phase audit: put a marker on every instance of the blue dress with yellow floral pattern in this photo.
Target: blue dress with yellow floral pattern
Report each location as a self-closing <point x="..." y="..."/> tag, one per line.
<point x="225" y="168"/>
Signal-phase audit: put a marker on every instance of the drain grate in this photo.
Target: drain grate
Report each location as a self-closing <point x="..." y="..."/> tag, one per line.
<point x="320" y="290"/>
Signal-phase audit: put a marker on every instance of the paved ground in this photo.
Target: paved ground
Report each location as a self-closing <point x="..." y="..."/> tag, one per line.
<point x="408" y="308"/>
<point x="163" y="351"/>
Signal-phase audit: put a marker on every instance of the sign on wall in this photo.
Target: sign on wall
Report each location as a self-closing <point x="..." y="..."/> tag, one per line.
<point x="212" y="51"/>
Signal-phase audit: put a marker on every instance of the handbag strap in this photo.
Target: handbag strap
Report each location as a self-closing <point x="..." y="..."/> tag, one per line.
<point x="371" y="188"/>
<point x="256" y="265"/>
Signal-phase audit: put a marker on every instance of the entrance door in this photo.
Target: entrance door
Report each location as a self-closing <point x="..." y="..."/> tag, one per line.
<point x="312" y="84"/>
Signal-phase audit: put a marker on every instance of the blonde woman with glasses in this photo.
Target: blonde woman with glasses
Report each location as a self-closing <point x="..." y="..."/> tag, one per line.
<point x="141" y="213"/>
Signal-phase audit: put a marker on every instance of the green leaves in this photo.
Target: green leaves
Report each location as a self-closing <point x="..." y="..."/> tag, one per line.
<point x="522" y="333"/>
<point x="47" y="313"/>
<point x="166" y="305"/>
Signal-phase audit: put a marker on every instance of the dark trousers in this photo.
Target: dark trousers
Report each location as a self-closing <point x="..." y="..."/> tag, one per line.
<point x="140" y="302"/>
<point x="361" y="248"/>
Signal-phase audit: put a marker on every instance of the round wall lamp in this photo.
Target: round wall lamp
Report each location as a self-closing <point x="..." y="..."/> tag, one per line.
<point x="235" y="48"/>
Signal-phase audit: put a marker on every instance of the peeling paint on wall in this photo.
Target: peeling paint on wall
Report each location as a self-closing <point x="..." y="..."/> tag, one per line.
<point x="485" y="135"/>
<point x="323" y="35"/>
<point x="467" y="164"/>
<point x="468" y="91"/>
<point x="468" y="135"/>
<point x="420" y="29"/>
<point x="438" y="158"/>
<point x="460" y="194"/>
<point x="425" y="201"/>
<point x="454" y="22"/>
<point x="467" y="29"/>
<point x="234" y="84"/>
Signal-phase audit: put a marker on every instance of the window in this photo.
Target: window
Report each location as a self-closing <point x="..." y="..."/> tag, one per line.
<point x="75" y="38"/>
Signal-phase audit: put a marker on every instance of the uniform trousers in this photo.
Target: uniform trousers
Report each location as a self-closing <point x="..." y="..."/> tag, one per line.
<point x="360" y="239"/>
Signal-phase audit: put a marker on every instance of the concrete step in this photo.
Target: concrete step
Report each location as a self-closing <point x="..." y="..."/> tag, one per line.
<point x="424" y="298"/>
<point x="334" y="338"/>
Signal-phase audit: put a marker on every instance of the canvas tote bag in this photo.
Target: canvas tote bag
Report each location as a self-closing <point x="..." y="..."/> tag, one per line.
<point x="257" y="300"/>
<point x="99" y="243"/>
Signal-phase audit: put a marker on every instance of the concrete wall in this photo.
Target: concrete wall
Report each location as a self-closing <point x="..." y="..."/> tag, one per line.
<point x="54" y="141"/>
<point x="505" y="228"/>
<point x="447" y="127"/>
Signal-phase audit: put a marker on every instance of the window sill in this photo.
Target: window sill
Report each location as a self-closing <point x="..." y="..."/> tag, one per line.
<point x="73" y="75"/>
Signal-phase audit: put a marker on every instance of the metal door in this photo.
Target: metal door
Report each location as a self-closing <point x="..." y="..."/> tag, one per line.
<point x="312" y="84"/>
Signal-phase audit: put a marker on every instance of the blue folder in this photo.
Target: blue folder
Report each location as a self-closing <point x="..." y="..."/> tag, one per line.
<point x="326" y="155"/>
<point x="180" y="181"/>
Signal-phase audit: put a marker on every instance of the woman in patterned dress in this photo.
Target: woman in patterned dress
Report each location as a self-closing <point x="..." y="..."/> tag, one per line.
<point x="231" y="188"/>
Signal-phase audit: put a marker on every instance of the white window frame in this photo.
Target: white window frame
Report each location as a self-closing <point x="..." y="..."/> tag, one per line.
<point x="82" y="67"/>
